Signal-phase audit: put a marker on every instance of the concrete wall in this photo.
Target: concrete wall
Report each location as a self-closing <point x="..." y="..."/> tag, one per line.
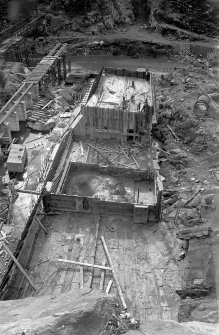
<point x="139" y="214"/>
<point x="73" y="203"/>
<point x="137" y="175"/>
<point x="125" y="73"/>
<point x="95" y="84"/>
<point x="22" y="254"/>
<point x="110" y="123"/>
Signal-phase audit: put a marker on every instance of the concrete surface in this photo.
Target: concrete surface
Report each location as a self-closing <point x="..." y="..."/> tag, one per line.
<point x="112" y="89"/>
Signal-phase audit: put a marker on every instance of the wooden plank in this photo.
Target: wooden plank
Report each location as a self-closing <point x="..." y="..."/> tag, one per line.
<point x="99" y="152"/>
<point x="95" y="246"/>
<point x="19" y="266"/>
<point x="41" y="225"/>
<point x="114" y="274"/>
<point x="102" y="276"/>
<point x="123" y="151"/>
<point x="83" y="264"/>
<point x="81" y="275"/>
<point x="48" y="104"/>
<point x="86" y="159"/>
<point x="135" y="161"/>
<point x="109" y="286"/>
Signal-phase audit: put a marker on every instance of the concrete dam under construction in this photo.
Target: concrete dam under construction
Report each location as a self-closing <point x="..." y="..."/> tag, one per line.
<point x="108" y="188"/>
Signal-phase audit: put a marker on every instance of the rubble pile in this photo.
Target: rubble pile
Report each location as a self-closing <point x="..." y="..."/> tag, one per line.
<point x="120" y="323"/>
<point x="187" y="142"/>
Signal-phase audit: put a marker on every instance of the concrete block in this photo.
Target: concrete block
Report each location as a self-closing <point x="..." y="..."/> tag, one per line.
<point x="5" y="133"/>
<point x="21" y="111"/>
<point x="14" y="121"/>
<point x="140" y="214"/>
<point x="35" y="92"/>
<point x="28" y="100"/>
<point x="17" y="158"/>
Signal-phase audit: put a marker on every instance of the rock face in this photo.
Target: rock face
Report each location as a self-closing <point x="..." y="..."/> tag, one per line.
<point x="70" y="313"/>
<point x="168" y="327"/>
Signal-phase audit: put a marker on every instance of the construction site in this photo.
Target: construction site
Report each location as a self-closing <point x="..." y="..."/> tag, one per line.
<point x="109" y="180"/>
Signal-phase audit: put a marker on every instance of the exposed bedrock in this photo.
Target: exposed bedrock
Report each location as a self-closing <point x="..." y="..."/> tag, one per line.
<point x="69" y="313"/>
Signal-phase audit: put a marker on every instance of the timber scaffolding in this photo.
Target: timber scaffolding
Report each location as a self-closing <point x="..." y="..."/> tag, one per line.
<point x="50" y="69"/>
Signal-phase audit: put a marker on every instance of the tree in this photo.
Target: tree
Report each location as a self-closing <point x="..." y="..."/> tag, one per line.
<point x="198" y="16"/>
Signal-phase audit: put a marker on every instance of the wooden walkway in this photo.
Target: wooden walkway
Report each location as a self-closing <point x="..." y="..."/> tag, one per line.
<point x="46" y="64"/>
<point x="38" y="74"/>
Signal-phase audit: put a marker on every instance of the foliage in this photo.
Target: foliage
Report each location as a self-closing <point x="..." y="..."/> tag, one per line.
<point x="199" y="16"/>
<point x="72" y="6"/>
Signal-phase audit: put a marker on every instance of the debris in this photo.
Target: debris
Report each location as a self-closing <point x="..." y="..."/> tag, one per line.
<point x="193" y="196"/>
<point x="174" y="134"/>
<point x="99" y="152"/>
<point x="194" y="232"/>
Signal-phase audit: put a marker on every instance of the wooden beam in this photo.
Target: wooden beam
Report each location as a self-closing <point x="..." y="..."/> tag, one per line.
<point x="113" y="158"/>
<point x="123" y="151"/>
<point x="18" y="265"/>
<point x="102" y="276"/>
<point x="27" y="191"/>
<point x="95" y="247"/>
<point x="109" y="286"/>
<point x="125" y="165"/>
<point x="83" y="264"/>
<point x="114" y="274"/>
<point x="87" y="154"/>
<point x="100" y="153"/>
<point x="47" y="105"/>
<point x="41" y="225"/>
<point x="81" y="277"/>
<point x="135" y="161"/>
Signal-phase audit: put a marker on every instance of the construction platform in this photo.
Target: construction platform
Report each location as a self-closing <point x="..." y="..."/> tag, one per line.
<point x="120" y="105"/>
<point x="124" y="92"/>
<point x="142" y="261"/>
